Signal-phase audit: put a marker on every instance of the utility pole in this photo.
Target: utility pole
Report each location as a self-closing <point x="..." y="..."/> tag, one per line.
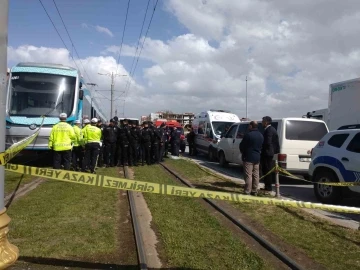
<point x="113" y="76"/>
<point x="8" y="252"/>
<point x="246" y="115"/>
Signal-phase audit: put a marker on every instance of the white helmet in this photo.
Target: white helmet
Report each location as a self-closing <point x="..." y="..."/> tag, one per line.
<point x="86" y="121"/>
<point x="94" y="120"/>
<point x="63" y="115"/>
<point x="77" y="122"/>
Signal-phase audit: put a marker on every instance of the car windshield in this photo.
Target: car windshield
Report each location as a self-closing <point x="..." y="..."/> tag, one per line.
<point x="36" y="94"/>
<point x="221" y="127"/>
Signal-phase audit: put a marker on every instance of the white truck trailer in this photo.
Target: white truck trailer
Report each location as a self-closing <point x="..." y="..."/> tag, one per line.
<point x="343" y="107"/>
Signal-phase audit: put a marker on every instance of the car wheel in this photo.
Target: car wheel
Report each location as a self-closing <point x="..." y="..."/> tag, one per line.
<point x="325" y="193"/>
<point x="222" y="160"/>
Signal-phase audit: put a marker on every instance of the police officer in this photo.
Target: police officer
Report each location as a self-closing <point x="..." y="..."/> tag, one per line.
<point x="146" y="139"/>
<point x="92" y="139"/>
<point x="135" y="143"/>
<point x="109" y="139"/>
<point x="175" y="141"/>
<point x="156" y="144"/>
<point x="100" y="161"/>
<point x="77" y="154"/>
<point x="61" y="139"/>
<point x="167" y="142"/>
<point x="124" y="139"/>
<point x="162" y="141"/>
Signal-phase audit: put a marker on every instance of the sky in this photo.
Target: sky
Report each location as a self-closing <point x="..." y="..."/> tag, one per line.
<point x="197" y="53"/>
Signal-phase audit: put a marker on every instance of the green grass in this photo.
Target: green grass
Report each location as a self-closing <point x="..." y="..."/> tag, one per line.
<point x="333" y="246"/>
<point x="62" y="220"/>
<point x="12" y="180"/>
<point x="191" y="237"/>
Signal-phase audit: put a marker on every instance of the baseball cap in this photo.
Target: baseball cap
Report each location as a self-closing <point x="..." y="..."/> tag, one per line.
<point x="86" y="121"/>
<point x="94" y="120"/>
<point x="63" y="115"/>
<point x="77" y="121"/>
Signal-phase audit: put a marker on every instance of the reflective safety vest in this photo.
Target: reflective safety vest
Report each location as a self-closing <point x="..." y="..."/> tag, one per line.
<point x="62" y="137"/>
<point x="79" y="136"/>
<point x="92" y="134"/>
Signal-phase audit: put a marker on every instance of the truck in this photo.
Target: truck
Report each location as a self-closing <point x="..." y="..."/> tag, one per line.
<point x="343" y="108"/>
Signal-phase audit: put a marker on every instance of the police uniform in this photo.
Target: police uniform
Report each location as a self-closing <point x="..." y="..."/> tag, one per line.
<point x="77" y="154"/>
<point x="124" y="140"/>
<point x="109" y="139"/>
<point x="92" y="139"/>
<point x="175" y="141"/>
<point x="156" y="144"/>
<point x="163" y="141"/>
<point x="135" y="144"/>
<point x="100" y="161"/>
<point x="146" y="139"/>
<point x="61" y="139"/>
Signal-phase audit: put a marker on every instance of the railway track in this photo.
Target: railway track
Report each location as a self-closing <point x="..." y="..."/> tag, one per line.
<point x="258" y="238"/>
<point x="136" y="227"/>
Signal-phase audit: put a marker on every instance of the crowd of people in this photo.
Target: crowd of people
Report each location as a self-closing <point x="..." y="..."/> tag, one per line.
<point x="83" y="148"/>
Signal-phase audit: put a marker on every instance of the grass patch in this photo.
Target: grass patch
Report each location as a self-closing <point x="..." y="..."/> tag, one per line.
<point x="189" y="235"/>
<point x="64" y="220"/>
<point x="12" y="179"/>
<point x="333" y="246"/>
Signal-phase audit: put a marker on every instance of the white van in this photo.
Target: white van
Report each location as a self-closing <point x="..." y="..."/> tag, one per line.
<point x="297" y="136"/>
<point x="208" y="127"/>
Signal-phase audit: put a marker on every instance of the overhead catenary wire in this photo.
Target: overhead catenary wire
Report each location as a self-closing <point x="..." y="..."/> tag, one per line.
<point x="57" y="31"/>
<point x="132" y="72"/>
<point x="72" y="43"/>
<point x="122" y="38"/>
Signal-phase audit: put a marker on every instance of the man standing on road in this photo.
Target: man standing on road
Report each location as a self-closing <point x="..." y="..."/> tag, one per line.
<point x="191" y="141"/>
<point x="61" y="138"/>
<point x="250" y="148"/>
<point x="270" y="147"/>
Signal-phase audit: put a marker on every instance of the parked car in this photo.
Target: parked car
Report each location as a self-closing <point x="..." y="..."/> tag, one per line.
<point x="336" y="158"/>
<point x="297" y="136"/>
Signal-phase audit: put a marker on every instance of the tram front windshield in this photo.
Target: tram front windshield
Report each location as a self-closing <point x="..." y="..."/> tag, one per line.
<point x="37" y="94"/>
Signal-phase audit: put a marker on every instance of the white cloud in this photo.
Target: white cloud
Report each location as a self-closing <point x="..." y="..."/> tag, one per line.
<point x="104" y="30"/>
<point x="93" y="66"/>
<point x="290" y="50"/>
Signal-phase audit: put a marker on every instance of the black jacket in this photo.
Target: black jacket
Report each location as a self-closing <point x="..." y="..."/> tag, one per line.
<point x="271" y="144"/>
<point x="109" y="134"/>
<point x="250" y="146"/>
<point x="146" y="136"/>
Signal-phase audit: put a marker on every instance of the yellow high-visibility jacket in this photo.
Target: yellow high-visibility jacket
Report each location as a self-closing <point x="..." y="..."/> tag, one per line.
<point x="79" y="136"/>
<point x="62" y="137"/>
<point x="92" y="134"/>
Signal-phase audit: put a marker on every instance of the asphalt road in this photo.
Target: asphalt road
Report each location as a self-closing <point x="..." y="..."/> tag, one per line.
<point x="290" y="188"/>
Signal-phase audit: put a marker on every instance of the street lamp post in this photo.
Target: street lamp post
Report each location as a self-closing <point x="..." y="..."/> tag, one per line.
<point x="246" y="114"/>
<point x="112" y="89"/>
<point x="8" y="252"/>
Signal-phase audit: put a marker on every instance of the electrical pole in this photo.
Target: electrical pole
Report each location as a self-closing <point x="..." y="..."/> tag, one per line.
<point x="112" y="89"/>
<point x="8" y="252"/>
<point x="246" y="115"/>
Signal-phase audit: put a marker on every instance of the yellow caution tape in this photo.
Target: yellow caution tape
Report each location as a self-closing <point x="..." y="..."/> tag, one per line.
<point x="164" y="189"/>
<point x="337" y="184"/>
<point x="14" y="149"/>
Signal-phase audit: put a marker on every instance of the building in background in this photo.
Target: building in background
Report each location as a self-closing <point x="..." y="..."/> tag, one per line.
<point x="183" y="118"/>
